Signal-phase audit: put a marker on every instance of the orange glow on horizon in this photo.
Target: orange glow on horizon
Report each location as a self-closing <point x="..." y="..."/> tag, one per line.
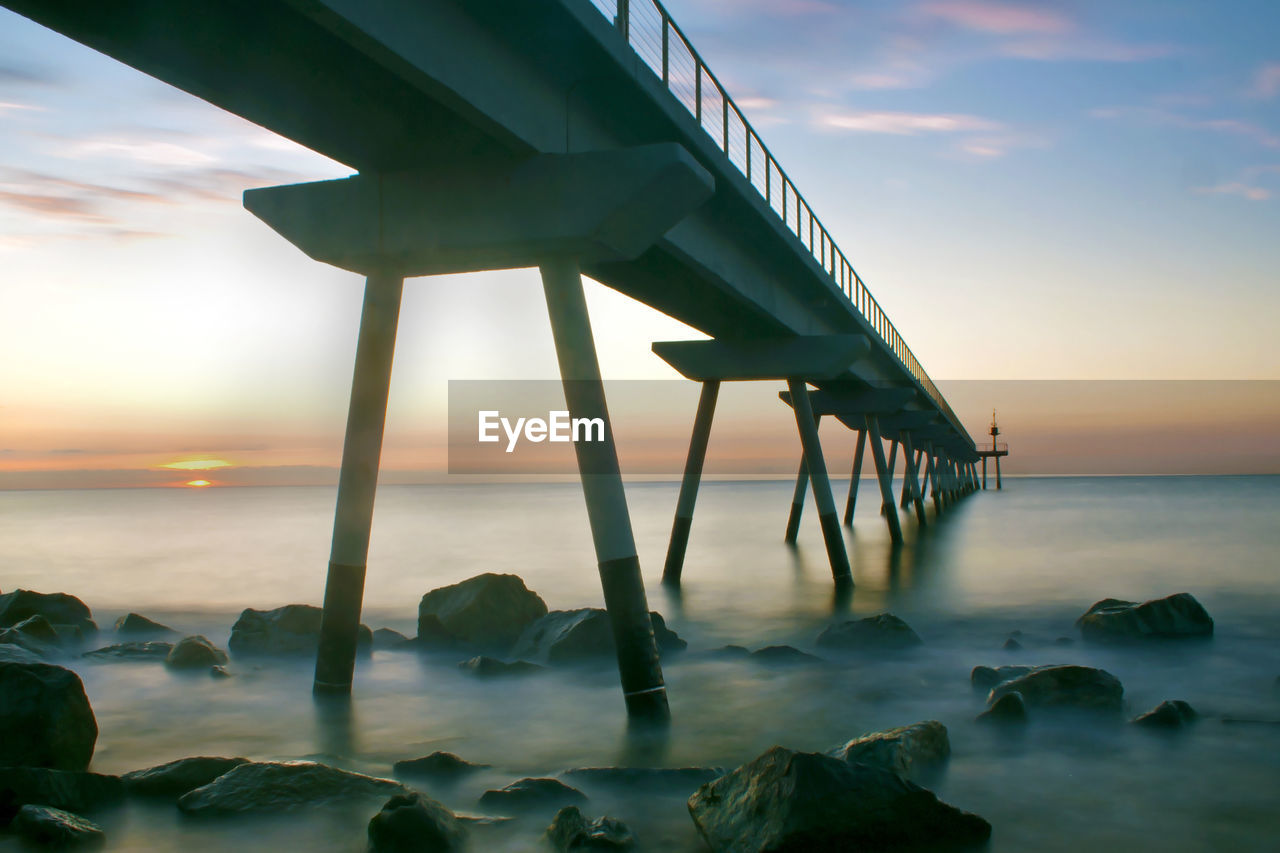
<point x="198" y="464"/>
<point x="199" y="484"/>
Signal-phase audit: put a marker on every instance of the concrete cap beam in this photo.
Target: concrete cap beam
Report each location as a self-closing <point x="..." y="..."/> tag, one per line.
<point x="810" y="357"/>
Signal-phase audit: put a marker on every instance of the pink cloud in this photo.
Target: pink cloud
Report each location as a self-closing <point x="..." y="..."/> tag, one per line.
<point x="904" y="124"/>
<point x="1252" y="193"/>
<point x="1055" y="50"/>
<point x="1266" y="83"/>
<point x="1000" y="18"/>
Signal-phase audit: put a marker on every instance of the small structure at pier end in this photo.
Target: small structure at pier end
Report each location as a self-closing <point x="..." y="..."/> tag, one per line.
<point x="997" y="449"/>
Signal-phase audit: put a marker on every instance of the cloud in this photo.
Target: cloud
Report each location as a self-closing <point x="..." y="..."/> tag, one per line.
<point x="1237" y="188"/>
<point x="1266" y="82"/>
<point x="149" y="152"/>
<point x="1085" y="50"/>
<point x="25" y="75"/>
<point x="997" y="18"/>
<point x="7" y="107"/>
<point x="903" y="124"/>
<point x="1229" y="126"/>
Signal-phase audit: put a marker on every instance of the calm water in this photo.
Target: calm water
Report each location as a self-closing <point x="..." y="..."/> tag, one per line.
<point x="1030" y="558"/>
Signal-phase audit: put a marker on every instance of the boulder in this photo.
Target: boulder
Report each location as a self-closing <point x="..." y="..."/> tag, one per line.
<point x="730" y="652"/>
<point x="57" y="607"/>
<point x="488" y="611"/>
<point x="71" y="790"/>
<point x="1065" y="687"/>
<point x="283" y="786"/>
<point x="483" y="666"/>
<point x="219" y="672"/>
<point x="908" y="751"/>
<point x="1009" y="708"/>
<point x="290" y="630"/>
<point x="138" y="651"/>
<point x="55" y="828"/>
<point x="414" y="823"/>
<point x="568" y="636"/>
<point x="1177" y="616"/>
<point x="385" y="638"/>
<point x="1012" y="645"/>
<point x="796" y="801"/>
<point x="194" y="652"/>
<point x="532" y="794"/>
<point x="177" y="777"/>
<point x="440" y="765"/>
<point x="45" y="717"/>
<point x="654" y="780"/>
<point x="136" y="625"/>
<point x="10" y="653"/>
<point x="35" y="634"/>
<point x="986" y="677"/>
<point x="1170" y="714"/>
<point x="571" y="830"/>
<point x="875" y="633"/>
<point x="783" y="655"/>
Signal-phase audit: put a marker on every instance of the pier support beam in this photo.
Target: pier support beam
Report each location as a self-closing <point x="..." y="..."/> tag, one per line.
<point x="357" y="484"/>
<point x="931" y="478"/>
<point x="882" y="475"/>
<point x="797" y="502"/>
<point x="624" y="595"/>
<point x="689" y="485"/>
<point x="808" y="426"/>
<point x="913" y="465"/>
<point x="984" y="473"/>
<point x="998" y="486"/>
<point x="855" y="477"/>
<point x="887" y="504"/>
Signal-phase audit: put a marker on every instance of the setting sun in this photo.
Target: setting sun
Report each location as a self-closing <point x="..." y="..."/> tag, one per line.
<point x="198" y="464"/>
<point x="199" y="484"/>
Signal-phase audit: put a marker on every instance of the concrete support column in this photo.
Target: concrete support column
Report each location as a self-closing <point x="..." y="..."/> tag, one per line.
<point x="931" y="478"/>
<point x="689" y="485"/>
<point x="912" y="468"/>
<point x="357" y="484"/>
<point x="887" y="504"/>
<point x="854" y="478"/>
<point x="998" y="486"/>
<point x="984" y="473"/>
<point x="797" y="502"/>
<point x="912" y="461"/>
<point x="882" y="475"/>
<point x="624" y="595"/>
<point x="817" y="465"/>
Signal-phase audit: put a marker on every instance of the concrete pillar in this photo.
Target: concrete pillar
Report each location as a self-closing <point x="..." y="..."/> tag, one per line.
<point x="854" y="478"/>
<point x="912" y="468"/>
<point x="931" y="478"/>
<point x="689" y="485"/>
<point x="887" y="504"/>
<point x="357" y="484"/>
<point x="998" y="486"/>
<point x="624" y="595"/>
<point x="984" y="473"/>
<point x="817" y="465"/>
<point x="797" y="502"/>
<point x="882" y="475"/>
<point x="904" y="499"/>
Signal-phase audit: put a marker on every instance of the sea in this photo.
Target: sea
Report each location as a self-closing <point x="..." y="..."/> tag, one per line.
<point x="1029" y="558"/>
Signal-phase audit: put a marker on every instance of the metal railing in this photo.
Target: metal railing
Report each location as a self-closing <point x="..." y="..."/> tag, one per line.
<point x="660" y="43"/>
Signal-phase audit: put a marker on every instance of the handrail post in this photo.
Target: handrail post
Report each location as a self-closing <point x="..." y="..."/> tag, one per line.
<point x="622" y="20"/>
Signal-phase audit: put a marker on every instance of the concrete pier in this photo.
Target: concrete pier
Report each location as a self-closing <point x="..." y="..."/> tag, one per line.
<point x="683" y="522"/>
<point x="855" y="477"/>
<point x="882" y="476"/>
<point x="817" y="465"/>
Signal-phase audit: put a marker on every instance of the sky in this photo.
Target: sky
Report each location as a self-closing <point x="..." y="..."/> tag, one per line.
<point x="1076" y="190"/>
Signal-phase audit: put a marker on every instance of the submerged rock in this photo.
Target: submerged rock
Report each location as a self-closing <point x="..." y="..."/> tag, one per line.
<point x="178" y="777"/>
<point x="71" y="790"/>
<point x="56" y="828"/>
<point x="1065" y="687"/>
<point x="881" y="632"/>
<point x="783" y="655"/>
<point x="385" y="638"/>
<point x="730" y="652"/>
<point x="487" y="611"/>
<point x="986" y="677"/>
<point x="34" y="634"/>
<point x="194" y="652"/>
<point x="567" y="636"/>
<point x="647" y="779"/>
<point x="10" y="653"/>
<point x="57" y="607"/>
<point x="45" y="717"/>
<point x="153" y="650"/>
<point x="907" y="751"/>
<point x="1012" y="645"/>
<point x="293" y="629"/>
<point x="442" y="765"/>
<point x="219" y="672"/>
<point x="484" y="666"/>
<point x="796" y="801"/>
<point x="281" y="786"/>
<point x="414" y="823"/>
<point x="137" y="625"/>
<point x="1009" y="708"/>
<point x="571" y="830"/>
<point x="531" y="794"/>
<point x="1170" y="714"/>
<point x="1177" y="616"/>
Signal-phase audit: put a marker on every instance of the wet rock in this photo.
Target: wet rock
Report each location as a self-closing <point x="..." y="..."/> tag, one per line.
<point x="414" y="823"/>
<point x="1170" y="714"/>
<point x="45" y="717"/>
<point x="219" y="672"/>
<point x="290" y="630"/>
<point x="194" y="652"/>
<point x="1009" y="708"/>
<point x="440" y="765"/>
<point x="137" y="625"/>
<point x="1063" y="641"/>
<point x="1177" y="616"/>
<point x="57" y="607"/>
<point x="571" y="830"/>
<point x="730" y="652"/>
<point x="487" y="611"/>
<point x="532" y="794"/>
<point x="10" y="653"/>
<point x="783" y="655"/>
<point x="986" y="677"/>
<point x="1012" y="645"/>
<point x="875" y="633"/>
<point x="385" y="638"/>
<point x="795" y="801"/>
<point x="71" y="790"/>
<point x="56" y="828"/>
<point x="1065" y="687"/>
<point x="152" y="650"/>
<point x="567" y="636"/>
<point x="178" y="777"/>
<point x="908" y="751"/>
<point x="483" y="666"/>
<point x="34" y="634"/>
<point x="282" y="786"/>
<point x="630" y="780"/>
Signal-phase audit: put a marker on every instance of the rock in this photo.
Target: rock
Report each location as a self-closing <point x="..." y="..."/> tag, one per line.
<point x="908" y="751"/>
<point x="137" y="625"/>
<point x="414" y="823"/>
<point x="783" y="655"/>
<point x="71" y="790"/>
<point x="282" y="786"/>
<point x="290" y="630"/>
<point x="488" y="611"/>
<point x="10" y="653"/>
<point x="730" y="652"/>
<point x="56" y="828"/>
<point x="1012" y="645"/>
<point x="444" y="765"/>
<point x="1009" y="708"/>
<point x="1065" y="687"/>
<point x="571" y="830"/>
<point x="484" y="666"/>
<point x="567" y="636"/>
<point x="35" y="635"/>
<point x="147" y="650"/>
<point x="1063" y="641"/>
<point x="795" y="801"/>
<point x="531" y="794"/>
<point x="875" y="633"/>
<point x="385" y="638"/>
<point x="1177" y="616"/>
<point x="45" y="718"/>
<point x="177" y="777"/>
<point x="194" y="652"/>
<point x="630" y="780"/>
<point x="986" y="677"/>
<point x="57" y="607"/>
<point x="219" y="672"/>
<point x="1171" y="714"/>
